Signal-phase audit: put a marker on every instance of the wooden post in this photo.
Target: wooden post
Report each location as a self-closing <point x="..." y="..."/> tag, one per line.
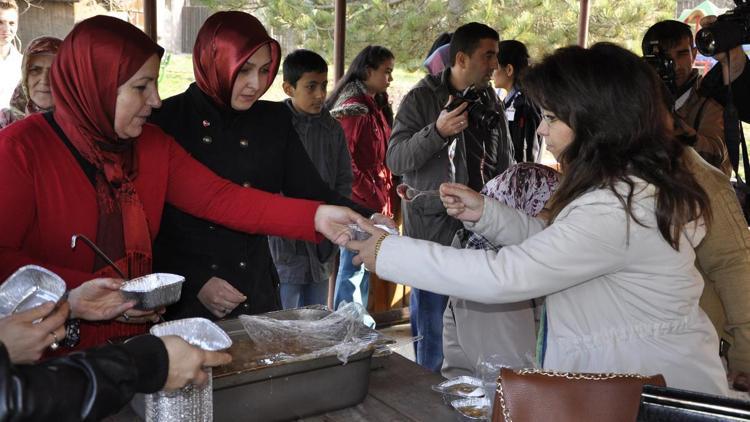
<point x="339" y="37"/>
<point x="583" y="24"/>
<point x="149" y="19"/>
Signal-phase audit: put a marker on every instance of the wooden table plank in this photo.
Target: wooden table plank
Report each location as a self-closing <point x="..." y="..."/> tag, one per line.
<point x="400" y="390"/>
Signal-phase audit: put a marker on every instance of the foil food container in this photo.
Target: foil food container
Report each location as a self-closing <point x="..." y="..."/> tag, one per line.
<point x="153" y="291"/>
<point x="199" y="332"/>
<point x="28" y="287"/>
<point x="473" y="409"/>
<point x="357" y="233"/>
<point x="192" y="403"/>
<point x="460" y="388"/>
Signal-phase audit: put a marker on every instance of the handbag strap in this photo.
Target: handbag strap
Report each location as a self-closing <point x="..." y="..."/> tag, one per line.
<point x="735" y="141"/>
<point x="745" y="161"/>
<point x="734" y="136"/>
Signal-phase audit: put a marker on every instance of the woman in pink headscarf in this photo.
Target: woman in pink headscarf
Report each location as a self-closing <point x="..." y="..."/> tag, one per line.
<point x="95" y="167"/>
<point x="33" y="93"/>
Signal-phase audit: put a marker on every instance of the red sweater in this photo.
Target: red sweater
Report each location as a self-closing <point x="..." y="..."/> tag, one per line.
<point x="45" y="198"/>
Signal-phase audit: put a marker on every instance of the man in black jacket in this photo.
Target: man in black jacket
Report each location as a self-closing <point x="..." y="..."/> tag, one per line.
<point x="430" y="145"/>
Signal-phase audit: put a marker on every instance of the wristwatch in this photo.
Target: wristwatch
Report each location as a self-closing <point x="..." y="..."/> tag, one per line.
<point x="72" y="333"/>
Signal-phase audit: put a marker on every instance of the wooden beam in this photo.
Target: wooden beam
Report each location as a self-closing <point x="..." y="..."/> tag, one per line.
<point x="149" y="19"/>
<point x="339" y="38"/>
<point x="583" y="24"/>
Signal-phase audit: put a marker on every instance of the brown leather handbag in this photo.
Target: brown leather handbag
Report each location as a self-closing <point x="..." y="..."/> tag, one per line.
<point x="532" y="395"/>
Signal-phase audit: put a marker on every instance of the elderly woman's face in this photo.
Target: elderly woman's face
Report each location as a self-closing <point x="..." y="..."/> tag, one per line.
<point x="37" y="80"/>
<point x="557" y="135"/>
<point x="136" y="98"/>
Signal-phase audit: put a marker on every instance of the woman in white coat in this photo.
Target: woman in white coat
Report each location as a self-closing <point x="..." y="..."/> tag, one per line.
<point x="615" y="257"/>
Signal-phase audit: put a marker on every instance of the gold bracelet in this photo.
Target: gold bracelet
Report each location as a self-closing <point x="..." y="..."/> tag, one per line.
<point x="378" y="243"/>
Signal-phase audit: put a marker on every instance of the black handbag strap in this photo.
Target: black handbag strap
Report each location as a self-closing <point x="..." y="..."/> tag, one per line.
<point x="745" y="161"/>
<point x="734" y="138"/>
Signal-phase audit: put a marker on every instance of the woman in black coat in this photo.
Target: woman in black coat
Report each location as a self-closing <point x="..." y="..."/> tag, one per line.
<point x="523" y="115"/>
<point x="222" y="123"/>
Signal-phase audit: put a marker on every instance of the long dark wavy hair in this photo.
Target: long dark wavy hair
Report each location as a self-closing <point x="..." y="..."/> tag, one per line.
<point x="371" y="57"/>
<point x="612" y="100"/>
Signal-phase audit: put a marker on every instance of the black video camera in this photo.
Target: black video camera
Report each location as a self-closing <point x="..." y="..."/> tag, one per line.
<point x="662" y="64"/>
<point x="730" y="30"/>
<point x="479" y="109"/>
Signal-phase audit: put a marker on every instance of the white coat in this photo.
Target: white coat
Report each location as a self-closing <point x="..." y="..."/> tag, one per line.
<point x="619" y="297"/>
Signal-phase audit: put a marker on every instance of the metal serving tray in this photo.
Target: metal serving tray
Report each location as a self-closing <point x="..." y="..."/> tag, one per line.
<point x="283" y="391"/>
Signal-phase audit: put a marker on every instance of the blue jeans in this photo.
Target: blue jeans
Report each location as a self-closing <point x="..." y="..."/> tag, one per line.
<point x="426" y="314"/>
<point x="352" y="282"/>
<point x="298" y="295"/>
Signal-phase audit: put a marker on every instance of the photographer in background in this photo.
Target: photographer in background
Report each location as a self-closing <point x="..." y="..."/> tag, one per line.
<point x="731" y="68"/>
<point x="723" y="258"/>
<point x="697" y="118"/>
<point x="438" y="137"/>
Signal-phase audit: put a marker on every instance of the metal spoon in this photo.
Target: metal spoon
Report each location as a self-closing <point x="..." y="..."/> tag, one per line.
<point x="96" y="250"/>
<point x="408" y="193"/>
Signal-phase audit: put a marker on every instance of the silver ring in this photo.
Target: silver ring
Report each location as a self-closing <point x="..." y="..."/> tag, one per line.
<point x="55" y="345"/>
<point x="125" y="317"/>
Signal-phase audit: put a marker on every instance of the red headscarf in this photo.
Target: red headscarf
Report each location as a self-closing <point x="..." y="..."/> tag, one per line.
<point x="225" y="42"/>
<point x="99" y="55"/>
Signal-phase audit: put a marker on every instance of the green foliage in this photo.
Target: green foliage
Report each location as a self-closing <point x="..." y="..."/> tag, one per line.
<point x="408" y="27"/>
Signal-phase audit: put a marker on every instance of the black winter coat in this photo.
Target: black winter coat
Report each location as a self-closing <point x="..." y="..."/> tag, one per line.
<point x="258" y="148"/>
<point x="522" y="125"/>
<point x="84" y="386"/>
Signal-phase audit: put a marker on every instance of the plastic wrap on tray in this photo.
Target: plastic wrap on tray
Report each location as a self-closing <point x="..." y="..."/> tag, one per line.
<point x="28" y="287"/>
<point x="153" y="291"/>
<point x="192" y="403"/>
<point x="339" y="334"/>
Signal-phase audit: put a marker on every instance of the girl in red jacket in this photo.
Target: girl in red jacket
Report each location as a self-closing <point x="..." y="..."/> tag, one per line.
<point x="360" y="102"/>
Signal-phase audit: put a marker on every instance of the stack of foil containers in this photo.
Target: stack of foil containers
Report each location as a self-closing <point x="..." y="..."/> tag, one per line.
<point x="192" y="403"/>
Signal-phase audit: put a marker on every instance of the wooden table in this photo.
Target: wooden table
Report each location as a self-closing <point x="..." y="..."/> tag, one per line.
<point x="399" y="391"/>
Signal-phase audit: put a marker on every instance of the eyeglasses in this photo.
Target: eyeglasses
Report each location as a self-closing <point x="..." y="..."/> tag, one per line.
<point x="549" y="118"/>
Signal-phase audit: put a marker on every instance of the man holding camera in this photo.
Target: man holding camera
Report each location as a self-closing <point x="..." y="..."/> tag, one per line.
<point x="697" y="118"/>
<point x="723" y="257"/>
<point x="450" y="128"/>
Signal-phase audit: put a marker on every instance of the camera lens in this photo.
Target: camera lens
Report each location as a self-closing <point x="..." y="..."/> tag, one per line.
<point x="719" y="37"/>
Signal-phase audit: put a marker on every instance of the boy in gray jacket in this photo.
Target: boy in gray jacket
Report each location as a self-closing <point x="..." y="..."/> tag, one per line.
<point x="304" y="267"/>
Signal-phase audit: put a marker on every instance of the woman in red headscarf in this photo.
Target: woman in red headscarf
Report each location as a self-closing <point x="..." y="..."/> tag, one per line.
<point x="94" y="166"/>
<point x="32" y="95"/>
<point x="222" y="123"/>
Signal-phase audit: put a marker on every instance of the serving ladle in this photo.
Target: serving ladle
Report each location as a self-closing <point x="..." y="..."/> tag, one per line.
<point x="96" y="250"/>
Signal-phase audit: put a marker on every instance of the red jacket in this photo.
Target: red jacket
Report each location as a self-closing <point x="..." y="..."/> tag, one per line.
<point x="367" y="132"/>
<point x="46" y="198"/>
